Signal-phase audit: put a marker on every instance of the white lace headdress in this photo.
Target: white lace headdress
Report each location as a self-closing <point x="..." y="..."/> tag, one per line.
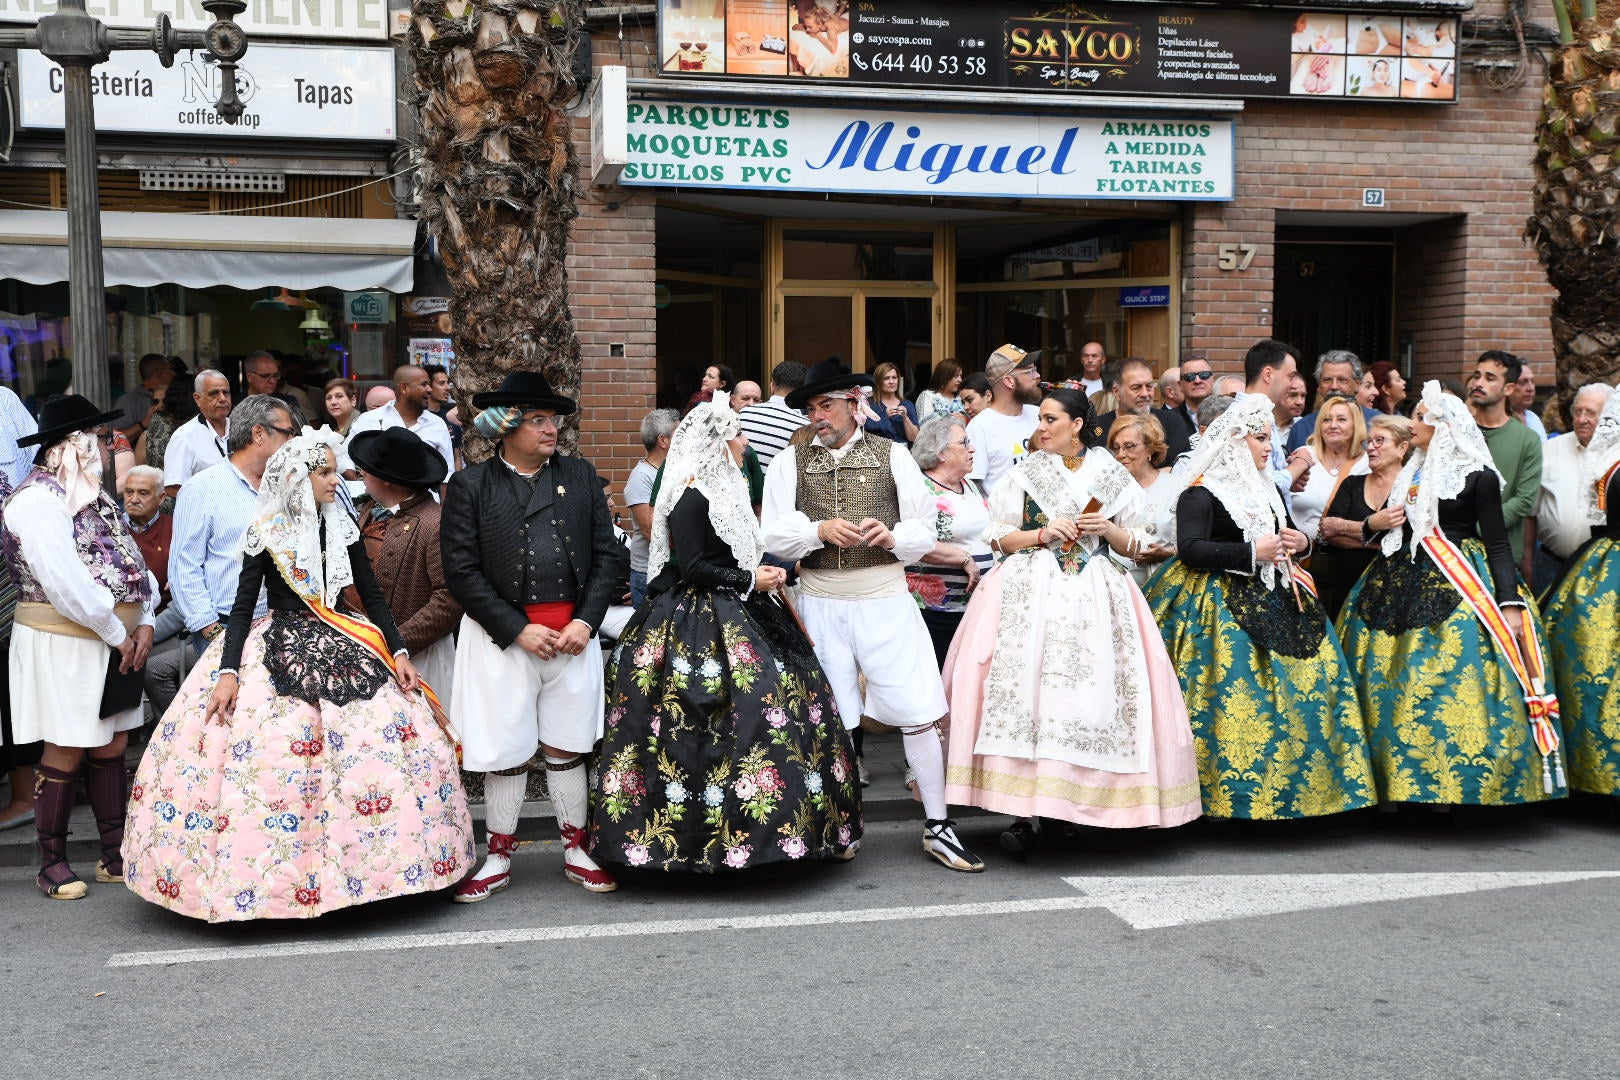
<point x="1455" y="452"/>
<point x="287" y="521"/>
<point x="1601" y="455"/>
<point x="698" y="457"/>
<point x="1226" y="467"/>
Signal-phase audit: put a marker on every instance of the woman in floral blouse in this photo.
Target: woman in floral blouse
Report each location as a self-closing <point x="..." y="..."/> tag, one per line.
<point x="724" y="748"/>
<point x="942" y="582"/>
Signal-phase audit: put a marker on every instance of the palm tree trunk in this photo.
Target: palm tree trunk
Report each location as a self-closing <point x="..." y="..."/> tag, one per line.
<point x="499" y="174"/>
<point x="1575" y="224"/>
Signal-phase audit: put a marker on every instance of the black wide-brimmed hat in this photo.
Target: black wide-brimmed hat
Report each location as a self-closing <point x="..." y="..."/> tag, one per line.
<point x="829" y="384"/>
<point x="399" y="456"/>
<point x="62" y="416"/>
<point x="526" y="390"/>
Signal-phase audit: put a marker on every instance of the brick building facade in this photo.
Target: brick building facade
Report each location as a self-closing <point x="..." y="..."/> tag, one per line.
<point x="1428" y="279"/>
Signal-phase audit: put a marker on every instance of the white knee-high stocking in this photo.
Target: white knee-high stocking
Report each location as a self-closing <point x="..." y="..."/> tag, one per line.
<point x="503" y="801"/>
<point x="569" y="798"/>
<point x="927" y="760"/>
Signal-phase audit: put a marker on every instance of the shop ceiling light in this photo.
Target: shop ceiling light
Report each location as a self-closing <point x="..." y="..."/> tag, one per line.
<point x="314" y="324"/>
<point x="275" y="300"/>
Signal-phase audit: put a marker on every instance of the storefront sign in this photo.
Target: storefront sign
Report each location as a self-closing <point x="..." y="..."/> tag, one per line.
<point x="793" y="148"/>
<point x="1145" y="296"/>
<point x="372" y="306"/>
<point x="1208" y="51"/>
<point x="290" y="91"/>
<point x="262" y="19"/>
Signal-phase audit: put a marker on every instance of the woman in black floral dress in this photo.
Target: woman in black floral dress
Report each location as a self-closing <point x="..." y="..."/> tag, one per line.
<point x="724" y="749"/>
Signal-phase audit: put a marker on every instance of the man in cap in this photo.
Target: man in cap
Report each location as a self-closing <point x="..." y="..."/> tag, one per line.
<point x="853" y="510"/>
<point x="83" y="630"/>
<point x="529" y="553"/>
<point x="1000" y="433"/>
<point x="401" y="529"/>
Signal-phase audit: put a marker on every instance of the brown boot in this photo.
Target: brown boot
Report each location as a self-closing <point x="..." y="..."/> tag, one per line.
<point x="107" y="781"/>
<point x="53" y="805"/>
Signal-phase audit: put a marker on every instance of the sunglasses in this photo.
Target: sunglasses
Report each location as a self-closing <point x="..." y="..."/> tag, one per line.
<point x="1197" y="376"/>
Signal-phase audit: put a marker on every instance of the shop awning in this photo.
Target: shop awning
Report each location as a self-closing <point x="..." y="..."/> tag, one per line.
<point x="198" y="251"/>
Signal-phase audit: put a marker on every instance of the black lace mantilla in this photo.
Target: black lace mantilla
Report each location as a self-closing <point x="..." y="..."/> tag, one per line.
<point x="310" y="661"/>
<point x="1402" y="593"/>
<point x="1271" y="618"/>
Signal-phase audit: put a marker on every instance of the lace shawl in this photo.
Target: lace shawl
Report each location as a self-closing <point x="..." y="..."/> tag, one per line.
<point x="1455" y="452"/>
<point x="1224" y="465"/>
<point x="699" y="457"/>
<point x="287" y="521"/>
<point x="1061" y="493"/>
<point x="1602" y="453"/>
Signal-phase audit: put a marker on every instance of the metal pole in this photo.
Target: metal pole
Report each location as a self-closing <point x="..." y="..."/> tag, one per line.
<point x="87" y="295"/>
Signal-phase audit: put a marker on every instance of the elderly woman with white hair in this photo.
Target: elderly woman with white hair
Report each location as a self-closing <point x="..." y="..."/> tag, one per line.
<point x="1444" y="640"/>
<point x="1583" y="609"/>
<point x="1275" y="717"/>
<point x="724" y="748"/>
<point x="945" y="577"/>
<point x="302" y="768"/>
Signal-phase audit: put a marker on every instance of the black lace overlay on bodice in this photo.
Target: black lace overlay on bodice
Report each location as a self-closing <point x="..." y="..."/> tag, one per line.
<point x="1272" y="619"/>
<point x="1402" y="593"/>
<point x="310" y="661"/>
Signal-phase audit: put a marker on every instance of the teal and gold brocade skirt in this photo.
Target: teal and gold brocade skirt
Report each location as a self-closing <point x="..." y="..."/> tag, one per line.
<point x="1276" y="724"/>
<point x="1445" y="715"/>
<point x="1583" y="635"/>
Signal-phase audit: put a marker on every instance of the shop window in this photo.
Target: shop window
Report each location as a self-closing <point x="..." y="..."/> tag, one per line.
<point x="856" y="255"/>
<point x="710" y="270"/>
<point x="690" y="242"/>
<point x="1048" y="251"/>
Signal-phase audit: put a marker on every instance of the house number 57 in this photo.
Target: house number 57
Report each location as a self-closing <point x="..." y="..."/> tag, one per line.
<point x="1234" y="256"/>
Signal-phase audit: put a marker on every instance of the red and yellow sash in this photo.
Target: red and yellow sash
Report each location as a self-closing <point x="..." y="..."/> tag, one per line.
<point x="1525" y="661"/>
<point x="363" y="632"/>
<point x="1303" y="578"/>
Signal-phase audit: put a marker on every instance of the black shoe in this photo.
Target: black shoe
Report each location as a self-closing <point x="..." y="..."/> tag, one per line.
<point x="1019" y="838"/>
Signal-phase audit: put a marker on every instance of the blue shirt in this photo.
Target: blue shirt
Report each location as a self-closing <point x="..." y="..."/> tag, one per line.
<point x="15" y="423"/>
<point x="212" y="511"/>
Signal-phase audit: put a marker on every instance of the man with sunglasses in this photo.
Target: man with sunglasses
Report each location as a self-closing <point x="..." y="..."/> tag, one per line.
<point x="1197" y="383"/>
<point x="213" y="510"/>
<point x="530" y="555"/>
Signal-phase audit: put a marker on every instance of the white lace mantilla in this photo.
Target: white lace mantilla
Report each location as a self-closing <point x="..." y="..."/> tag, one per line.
<point x="1455" y="452"/>
<point x="699" y="458"/>
<point x="287" y="522"/>
<point x="1224" y="465"/>
<point x="1602" y="454"/>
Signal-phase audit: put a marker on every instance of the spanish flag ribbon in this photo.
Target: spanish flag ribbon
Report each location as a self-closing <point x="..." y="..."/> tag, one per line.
<point x="1303" y="578"/>
<point x="1524" y="660"/>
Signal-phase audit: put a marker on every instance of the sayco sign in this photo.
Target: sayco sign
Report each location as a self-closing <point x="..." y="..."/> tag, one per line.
<point x="262" y="19"/>
<point x="792" y="148"/>
<point x="289" y="91"/>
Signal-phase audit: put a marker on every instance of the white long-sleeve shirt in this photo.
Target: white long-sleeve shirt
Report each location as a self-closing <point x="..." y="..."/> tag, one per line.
<point x="39" y="519"/>
<point x="790" y="534"/>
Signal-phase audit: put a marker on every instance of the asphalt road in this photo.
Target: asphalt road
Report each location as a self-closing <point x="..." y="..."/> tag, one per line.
<point x="1510" y="982"/>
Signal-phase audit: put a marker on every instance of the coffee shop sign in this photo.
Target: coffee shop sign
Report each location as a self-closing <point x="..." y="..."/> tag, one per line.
<point x="797" y="148"/>
<point x="263" y="19"/>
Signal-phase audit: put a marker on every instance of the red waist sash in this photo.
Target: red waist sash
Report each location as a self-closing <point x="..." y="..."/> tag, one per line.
<point x="553" y="615"/>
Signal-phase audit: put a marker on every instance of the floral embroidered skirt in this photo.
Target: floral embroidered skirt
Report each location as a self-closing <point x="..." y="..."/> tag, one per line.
<point x="1276" y="723"/>
<point x="1445" y="715"/>
<point x="724" y="748"/>
<point x="1583" y="635"/>
<point x="1071" y="666"/>
<point x="328" y="787"/>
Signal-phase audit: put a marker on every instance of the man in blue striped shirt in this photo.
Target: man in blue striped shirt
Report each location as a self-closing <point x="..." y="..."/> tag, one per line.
<point x="214" y="508"/>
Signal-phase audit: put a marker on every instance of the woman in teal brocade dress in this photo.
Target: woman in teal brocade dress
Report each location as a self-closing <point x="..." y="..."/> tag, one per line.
<point x="1583" y="622"/>
<point x="1276" y="722"/>
<point x="1445" y="713"/>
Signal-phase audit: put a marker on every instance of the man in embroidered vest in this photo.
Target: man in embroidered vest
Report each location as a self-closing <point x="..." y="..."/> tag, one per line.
<point x="853" y="509"/>
<point x="529" y="553"/>
<point x="83" y="631"/>
<point x="401" y="530"/>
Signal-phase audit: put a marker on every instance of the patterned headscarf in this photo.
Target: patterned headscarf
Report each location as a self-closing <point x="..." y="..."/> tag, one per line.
<point x="287" y="522"/>
<point x="1455" y="452"/>
<point x="1602" y="454"/>
<point x="699" y="457"/>
<point x="1224" y="465"/>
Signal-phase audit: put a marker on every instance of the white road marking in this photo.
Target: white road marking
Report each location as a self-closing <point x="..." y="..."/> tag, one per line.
<point x="1152" y="903"/>
<point x="1146" y="903"/>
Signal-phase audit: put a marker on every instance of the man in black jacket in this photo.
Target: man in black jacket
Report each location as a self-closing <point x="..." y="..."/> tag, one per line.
<point x="529" y="553"/>
<point x="1133" y="395"/>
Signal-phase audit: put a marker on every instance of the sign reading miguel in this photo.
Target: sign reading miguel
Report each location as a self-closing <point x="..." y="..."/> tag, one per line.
<point x="797" y="148"/>
<point x="291" y="91"/>
<point x="1083" y="49"/>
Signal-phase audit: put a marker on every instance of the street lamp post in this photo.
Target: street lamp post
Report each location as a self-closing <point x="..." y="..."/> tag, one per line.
<point x="77" y="42"/>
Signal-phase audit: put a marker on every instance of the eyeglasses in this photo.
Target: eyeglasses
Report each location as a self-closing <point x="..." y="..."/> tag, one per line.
<point x="262" y="374"/>
<point x="289" y="432"/>
<point x="541" y="422"/>
<point x="1127" y="447"/>
<point x="1197" y="376"/>
<point x="1373" y="444"/>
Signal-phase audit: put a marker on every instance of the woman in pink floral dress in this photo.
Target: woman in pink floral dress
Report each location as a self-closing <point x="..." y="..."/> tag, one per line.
<point x="301" y="769"/>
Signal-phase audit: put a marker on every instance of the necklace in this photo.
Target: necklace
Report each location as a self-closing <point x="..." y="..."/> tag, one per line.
<point x="1073" y="461"/>
<point x="958" y="489"/>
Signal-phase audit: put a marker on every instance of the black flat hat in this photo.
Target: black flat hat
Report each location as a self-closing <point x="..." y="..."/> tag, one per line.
<point x="527" y="390"/>
<point x="399" y="456"/>
<point x="63" y="415"/>
<point x="801" y="397"/>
